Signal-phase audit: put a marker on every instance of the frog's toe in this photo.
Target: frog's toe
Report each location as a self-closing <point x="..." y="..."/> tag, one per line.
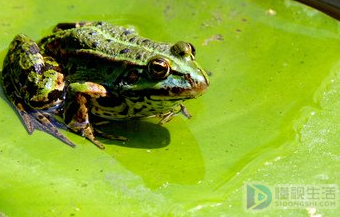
<point x="110" y="136"/>
<point x="96" y="142"/>
<point x="168" y="116"/>
<point x="26" y="118"/>
<point x="41" y="122"/>
<point x="185" y="111"/>
<point x="87" y="132"/>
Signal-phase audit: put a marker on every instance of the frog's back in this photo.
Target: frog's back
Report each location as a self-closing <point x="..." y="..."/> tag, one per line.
<point x="104" y="40"/>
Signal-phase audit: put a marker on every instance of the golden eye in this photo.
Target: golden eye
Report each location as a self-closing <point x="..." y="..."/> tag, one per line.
<point x="158" y="68"/>
<point x="184" y="49"/>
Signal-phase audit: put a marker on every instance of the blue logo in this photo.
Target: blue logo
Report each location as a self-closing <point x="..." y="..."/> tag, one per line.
<point x="258" y="196"/>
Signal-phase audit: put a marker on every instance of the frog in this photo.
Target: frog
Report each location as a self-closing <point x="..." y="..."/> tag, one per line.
<point x="93" y="69"/>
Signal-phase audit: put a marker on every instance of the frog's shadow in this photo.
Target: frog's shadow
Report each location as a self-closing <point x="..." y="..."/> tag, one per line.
<point x="140" y="133"/>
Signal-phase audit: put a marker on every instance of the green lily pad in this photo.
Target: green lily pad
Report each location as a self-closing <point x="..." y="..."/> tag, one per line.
<point x="270" y="115"/>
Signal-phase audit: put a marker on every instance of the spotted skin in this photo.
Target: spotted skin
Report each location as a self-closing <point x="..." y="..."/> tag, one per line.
<point x="96" y="68"/>
<point x="33" y="119"/>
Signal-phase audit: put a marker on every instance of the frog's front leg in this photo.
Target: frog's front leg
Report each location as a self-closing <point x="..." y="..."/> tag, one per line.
<point x="77" y="109"/>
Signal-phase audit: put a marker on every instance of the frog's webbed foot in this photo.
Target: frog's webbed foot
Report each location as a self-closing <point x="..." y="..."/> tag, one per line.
<point x="29" y="122"/>
<point x="42" y="122"/>
<point x="88" y="133"/>
<point x="79" y="123"/>
<point x="38" y="120"/>
<point x="168" y="116"/>
<point x="185" y="111"/>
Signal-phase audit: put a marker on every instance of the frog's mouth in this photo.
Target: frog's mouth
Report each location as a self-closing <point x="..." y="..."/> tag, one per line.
<point x="175" y="87"/>
<point x="191" y="88"/>
<point x="167" y="93"/>
<point x="180" y="93"/>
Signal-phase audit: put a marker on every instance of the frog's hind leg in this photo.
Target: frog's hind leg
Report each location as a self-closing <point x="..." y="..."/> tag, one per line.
<point x="22" y="59"/>
<point x="32" y="119"/>
<point x="12" y="94"/>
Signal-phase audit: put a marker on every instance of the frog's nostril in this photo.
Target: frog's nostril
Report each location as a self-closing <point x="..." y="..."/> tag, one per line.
<point x="201" y="87"/>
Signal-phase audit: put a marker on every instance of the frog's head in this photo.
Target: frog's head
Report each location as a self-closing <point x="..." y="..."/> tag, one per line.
<point x="173" y="76"/>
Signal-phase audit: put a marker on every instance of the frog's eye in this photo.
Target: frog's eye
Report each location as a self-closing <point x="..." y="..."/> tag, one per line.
<point x="193" y="50"/>
<point x="184" y="49"/>
<point x="158" y="68"/>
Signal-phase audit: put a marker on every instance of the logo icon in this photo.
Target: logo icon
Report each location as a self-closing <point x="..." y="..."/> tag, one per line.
<point x="258" y="196"/>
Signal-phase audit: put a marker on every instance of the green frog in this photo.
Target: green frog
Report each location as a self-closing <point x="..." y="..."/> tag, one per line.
<point x="96" y="69"/>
